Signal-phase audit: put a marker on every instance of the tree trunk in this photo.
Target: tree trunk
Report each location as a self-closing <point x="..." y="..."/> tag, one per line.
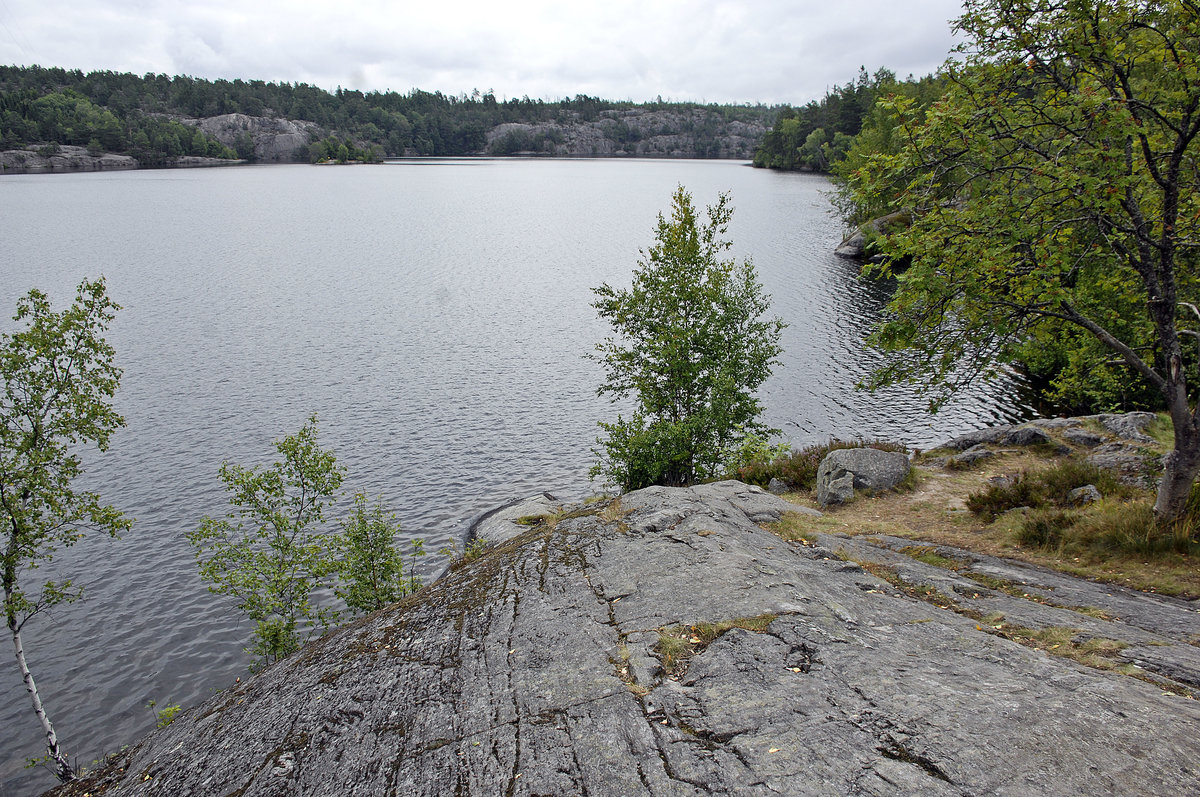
<point x="1180" y="467"/>
<point x="60" y="765"/>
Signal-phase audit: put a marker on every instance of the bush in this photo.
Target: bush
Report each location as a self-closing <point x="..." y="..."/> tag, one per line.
<point x="1048" y="487"/>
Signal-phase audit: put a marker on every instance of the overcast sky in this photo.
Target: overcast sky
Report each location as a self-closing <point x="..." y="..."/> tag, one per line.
<point x="772" y="51"/>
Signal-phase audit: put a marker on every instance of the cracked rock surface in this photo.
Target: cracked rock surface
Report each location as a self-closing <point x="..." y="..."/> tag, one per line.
<point x="537" y="670"/>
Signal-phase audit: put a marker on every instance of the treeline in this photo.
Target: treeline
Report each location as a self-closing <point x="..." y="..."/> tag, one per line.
<point x="818" y="135"/>
<point x="417" y="122"/>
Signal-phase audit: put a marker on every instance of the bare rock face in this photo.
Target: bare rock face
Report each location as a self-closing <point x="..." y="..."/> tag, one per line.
<point x="854" y="245"/>
<point x="275" y="140"/>
<point x="575" y="659"/>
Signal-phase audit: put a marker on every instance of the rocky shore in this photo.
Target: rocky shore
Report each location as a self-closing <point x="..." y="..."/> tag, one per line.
<point x="666" y="643"/>
<point x="67" y="158"/>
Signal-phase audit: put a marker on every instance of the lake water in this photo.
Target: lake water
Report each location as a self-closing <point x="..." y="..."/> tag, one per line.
<point x="433" y="314"/>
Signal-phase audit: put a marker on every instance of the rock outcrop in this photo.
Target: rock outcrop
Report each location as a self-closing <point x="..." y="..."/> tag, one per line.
<point x="665" y="644"/>
<point x="62" y="159"/>
<point x="77" y="159"/>
<point x="274" y="140"/>
<point x="1123" y="446"/>
<point x="854" y="245"/>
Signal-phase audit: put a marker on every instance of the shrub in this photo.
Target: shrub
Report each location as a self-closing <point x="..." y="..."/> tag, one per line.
<point x="1048" y="487"/>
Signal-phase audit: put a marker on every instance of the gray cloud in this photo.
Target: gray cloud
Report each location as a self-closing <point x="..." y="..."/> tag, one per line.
<point x="714" y="50"/>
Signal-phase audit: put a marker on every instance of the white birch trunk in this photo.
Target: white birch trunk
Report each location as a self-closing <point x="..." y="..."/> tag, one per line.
<point x="61" y="766"/>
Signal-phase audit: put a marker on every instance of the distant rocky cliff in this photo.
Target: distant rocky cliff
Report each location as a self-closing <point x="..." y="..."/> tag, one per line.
<point x="272" y="140"/>
<point x="698" y="133"/>
<point x="666" y="644"/>
<point x="61" y="159"/>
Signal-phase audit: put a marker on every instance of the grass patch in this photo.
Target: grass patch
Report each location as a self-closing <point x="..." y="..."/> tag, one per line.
<point x="677" y="644"/>
<point x="1162" y="430"/>
<point x="929" y="555"/>
<point x="1099" y="653"/>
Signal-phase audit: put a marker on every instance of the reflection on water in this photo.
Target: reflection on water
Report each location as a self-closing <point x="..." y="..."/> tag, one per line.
<point x="434" y="318"/>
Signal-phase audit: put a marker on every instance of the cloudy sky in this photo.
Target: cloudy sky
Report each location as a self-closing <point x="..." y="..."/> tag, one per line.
<point x="772" y="51"/>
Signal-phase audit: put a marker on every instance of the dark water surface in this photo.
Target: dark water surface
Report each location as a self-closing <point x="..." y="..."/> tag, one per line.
<point x="434" y="316"/>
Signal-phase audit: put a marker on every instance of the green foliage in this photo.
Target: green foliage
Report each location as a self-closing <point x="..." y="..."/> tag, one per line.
<point x="754" y="450"/>
<point x="693" y="346"/>
<point x="822" y="134"/>
<point x="372" y="573"/>
<point x="798" y="468"/>
<point x="59" y="380"/>
<point x="1045" y="528"/>
<point x="1113" y="531"/>
<point x="1053" y="186"/>
<point x="269" y="553"/>
<point x="474" y="549"/>
<point x="163" y="716"/>
<point x="332" y="149"/>
<point x="1047" y="487"/>
<point x="70" y="117"/>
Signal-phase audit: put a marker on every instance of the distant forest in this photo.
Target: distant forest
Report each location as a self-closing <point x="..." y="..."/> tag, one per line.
<point x="819" y="135"/>
<point x="154" y="118"/>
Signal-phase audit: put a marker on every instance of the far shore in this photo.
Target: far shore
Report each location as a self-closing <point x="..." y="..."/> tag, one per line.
<point x="66" y="159"/>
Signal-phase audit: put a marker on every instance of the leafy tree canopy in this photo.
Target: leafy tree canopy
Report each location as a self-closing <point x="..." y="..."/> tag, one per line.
<point x="692" y="346"/>
<point x="1053" y="187"/>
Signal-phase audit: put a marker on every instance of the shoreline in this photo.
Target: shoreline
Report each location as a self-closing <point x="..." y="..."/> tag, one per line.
<point x="68" y="159"/>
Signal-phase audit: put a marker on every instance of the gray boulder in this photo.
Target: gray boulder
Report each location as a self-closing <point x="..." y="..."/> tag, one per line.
<point x="1129" y="425"/>
<point x="1087" y="494"/>
<point x="847" y="469"/>
<point x="1128" y="461"/>
<point x="777" y="486"/>
<point x="1082" y="437"/>
<point x="970" y="456"/>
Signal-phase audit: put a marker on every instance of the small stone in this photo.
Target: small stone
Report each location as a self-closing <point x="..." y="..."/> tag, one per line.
<point x="777" y="486"/>
<point x="1087" y="494"/>
<point x="970" y="456"/>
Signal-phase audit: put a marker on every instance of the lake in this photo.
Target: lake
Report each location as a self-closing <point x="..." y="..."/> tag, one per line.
<point x="433" y="314"/>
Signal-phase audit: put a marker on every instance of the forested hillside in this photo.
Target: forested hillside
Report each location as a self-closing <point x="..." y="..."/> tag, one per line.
<point x="819" y="135"/>
<point x="154" y="117"/>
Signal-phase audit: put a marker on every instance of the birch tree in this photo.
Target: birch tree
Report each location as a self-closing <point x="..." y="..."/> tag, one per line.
<point x="59" y="378"/>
